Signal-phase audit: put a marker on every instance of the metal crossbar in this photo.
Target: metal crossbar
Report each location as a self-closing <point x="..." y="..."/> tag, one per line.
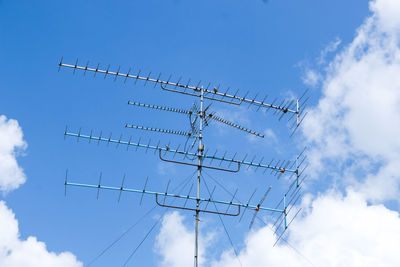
<point x="174" y="151"/>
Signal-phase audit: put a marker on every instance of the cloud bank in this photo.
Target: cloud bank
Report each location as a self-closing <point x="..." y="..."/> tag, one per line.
<point x="337" y="230"/>
<point x="14" y="251"/>
<point x="354" y="129"/>
<point x="30" y="252"/>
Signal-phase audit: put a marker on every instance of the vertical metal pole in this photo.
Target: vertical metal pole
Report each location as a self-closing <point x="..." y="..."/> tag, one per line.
<point x="200" y="155"/>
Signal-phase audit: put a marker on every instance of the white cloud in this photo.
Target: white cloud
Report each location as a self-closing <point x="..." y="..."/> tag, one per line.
<point x="311" y="78"/>
<point x="335" y="231"/>
<point x="386" y="12"/>
<point x="330" y="48"/>
<point x="11" y="142"/>
<point x="15" y="252"/>
<point x="175" y="243"/>
<point x="30" y="252"/>
<point x="357" y="119"/>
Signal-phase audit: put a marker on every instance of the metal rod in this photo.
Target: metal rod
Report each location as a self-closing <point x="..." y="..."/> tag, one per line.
<point x="143" y="191"/>
<point x="189" y="134"/>
<point x="202" y="117"/>
<point x="236" y="126"/>
<point x="158" y="107"/>
<point x="147" y="192"/>
<point x="178" y="84"/>
<point x="211" y="195"/>
<point x="199" y="210"/>
<point x="242" y="162"/>
<point x="248" y="202"/>
<point x="122" y="187"/>
<point x="200" y="156"/>
<point x="190" y="191"/>
<point x="203" y="166"/>
<point x="284" y="209"/>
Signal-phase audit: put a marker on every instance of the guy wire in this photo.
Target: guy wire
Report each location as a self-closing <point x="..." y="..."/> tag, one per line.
<point x="223" y="224"/>
<point x="186" y="180"/>
<point x="159" y="220"/>
<point x="258" y="217"/>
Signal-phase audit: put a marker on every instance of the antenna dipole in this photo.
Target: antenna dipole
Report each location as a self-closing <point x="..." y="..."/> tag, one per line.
<point x="199" y="119"/>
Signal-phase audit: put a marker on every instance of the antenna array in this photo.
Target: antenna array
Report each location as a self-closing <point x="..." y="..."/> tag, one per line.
<point x="294" y="107"/>
<point x="200" y="117"/>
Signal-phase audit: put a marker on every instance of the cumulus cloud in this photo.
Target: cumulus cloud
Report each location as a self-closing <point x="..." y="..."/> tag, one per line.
<point x="353" y="135"/>
<point x="175" y="242"/>
<point x="11" y="144"/>
<point x="30" y="252"/>
<point x="13" y="250"/>
<point x="335" y="231"/>
<point x="355" y="120"/>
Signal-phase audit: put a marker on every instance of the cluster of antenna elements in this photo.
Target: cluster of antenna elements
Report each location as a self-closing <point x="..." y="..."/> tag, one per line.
<point x="158" y="130"/>
<point x="160" y="108"/>
<point x="191" y="113"/>
<point x="278" y="167"/>
<point x="215" y="93"/>
<point x="200" y="117"/>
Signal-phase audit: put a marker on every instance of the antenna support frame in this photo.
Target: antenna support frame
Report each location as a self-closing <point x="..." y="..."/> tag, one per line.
<point x="198" y="210"/>
<point x="197" y="165"/>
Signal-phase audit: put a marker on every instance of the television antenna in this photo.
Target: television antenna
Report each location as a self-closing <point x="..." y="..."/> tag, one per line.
<point x="200" y="116"/>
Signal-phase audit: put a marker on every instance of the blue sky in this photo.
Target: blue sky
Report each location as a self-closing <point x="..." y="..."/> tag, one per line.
<point x="267" y="48"/>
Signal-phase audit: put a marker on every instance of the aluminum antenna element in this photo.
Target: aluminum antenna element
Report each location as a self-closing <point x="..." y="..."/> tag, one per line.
<point x="193" y="152"/>
<point x="214" y="94"/>
<point x="168" y="149"/>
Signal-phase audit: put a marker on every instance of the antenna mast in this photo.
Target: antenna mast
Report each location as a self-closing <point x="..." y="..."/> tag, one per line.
<point x="200" y="157"/>
<point x="200" y="118"/>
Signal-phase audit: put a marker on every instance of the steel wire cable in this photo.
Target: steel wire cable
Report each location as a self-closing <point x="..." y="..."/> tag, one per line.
<point x="260" y="219"/>
<point x="223" y="224"/>
<point x="157" y="222"/>
<point x="121" y="236"/>
<point x="185" y="182"/>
